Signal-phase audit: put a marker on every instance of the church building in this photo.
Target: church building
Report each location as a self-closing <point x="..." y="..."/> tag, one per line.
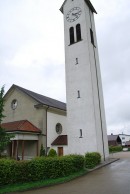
<point x="79" y="126"/>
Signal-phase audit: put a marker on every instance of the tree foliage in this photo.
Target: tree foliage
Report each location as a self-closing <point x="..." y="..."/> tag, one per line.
<point x="1" y="104"/>
<point x="4" y="137"/>
<point x="52" y="153"/>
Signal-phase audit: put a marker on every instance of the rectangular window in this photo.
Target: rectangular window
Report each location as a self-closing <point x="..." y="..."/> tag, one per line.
<point x="78" y="94"/>
<point x="77" y="61"/>
<point x="92" y="37"/>
<point x="81" y="133"/>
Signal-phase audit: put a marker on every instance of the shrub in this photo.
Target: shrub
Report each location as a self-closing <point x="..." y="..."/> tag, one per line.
<point x="40" y="168"/>
<point x="115" y="149"/>
<point x="52" y="153"/>
<point x="92" y="159"/>
<point x="12" y="171"/>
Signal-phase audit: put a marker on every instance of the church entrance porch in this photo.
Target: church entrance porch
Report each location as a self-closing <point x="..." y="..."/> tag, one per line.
<point x="25" y="143"/>
<point x="60" y="144"/>
<point x="23" y="149"/>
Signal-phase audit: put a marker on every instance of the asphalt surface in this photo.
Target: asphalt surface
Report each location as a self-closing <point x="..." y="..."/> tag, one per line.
<point x="111" y="179"/>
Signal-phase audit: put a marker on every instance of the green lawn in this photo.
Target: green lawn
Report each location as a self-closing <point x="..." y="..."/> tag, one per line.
<point x="38" y="184"/>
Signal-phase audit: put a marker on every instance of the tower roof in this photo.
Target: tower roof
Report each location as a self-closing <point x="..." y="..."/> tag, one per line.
<point x="88" y="3"/>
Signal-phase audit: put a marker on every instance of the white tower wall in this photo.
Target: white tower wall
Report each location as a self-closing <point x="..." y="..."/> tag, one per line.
<point x="85" y="108"/>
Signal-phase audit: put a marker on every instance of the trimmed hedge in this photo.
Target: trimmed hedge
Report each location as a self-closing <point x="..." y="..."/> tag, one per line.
<point x="92" y="159"/>
<point x="41" y="168"/>
<point x="115" y="149"/>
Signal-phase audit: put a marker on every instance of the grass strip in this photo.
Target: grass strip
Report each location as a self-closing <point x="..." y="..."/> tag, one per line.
<point x="39" y="184"/>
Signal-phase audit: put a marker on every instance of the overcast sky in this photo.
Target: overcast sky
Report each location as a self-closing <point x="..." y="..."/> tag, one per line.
<point x="32" y="52"/>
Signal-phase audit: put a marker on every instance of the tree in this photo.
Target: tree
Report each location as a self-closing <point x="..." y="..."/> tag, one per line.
<point x="52" y="153"/>
<point x="4" y="137"/>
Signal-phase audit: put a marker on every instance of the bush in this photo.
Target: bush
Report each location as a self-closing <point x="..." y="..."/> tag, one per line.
<point x="92" y="159"/>
<point x="115" y="149"/>
<point x="52" y="153"/>
<point x="12" y="171"/>
<point x="40" y="168"/>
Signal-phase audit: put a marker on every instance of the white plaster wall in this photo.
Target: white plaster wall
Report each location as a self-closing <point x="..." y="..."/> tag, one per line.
<point x="98" y="101"/>
<point x="54" y="117"/>
<point x="25" y="137"/>
<point x="83" y="113"/>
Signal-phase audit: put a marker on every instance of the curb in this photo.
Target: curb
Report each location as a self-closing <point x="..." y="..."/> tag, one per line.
<point x="105" y="163"/>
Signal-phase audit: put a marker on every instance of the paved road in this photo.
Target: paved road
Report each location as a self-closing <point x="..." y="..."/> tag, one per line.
<point x="112" y="179"/>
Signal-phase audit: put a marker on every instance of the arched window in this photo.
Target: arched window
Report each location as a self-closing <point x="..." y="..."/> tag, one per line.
<point x="71" y="35"/>
<point x="78" y="94"/>
<point x="78" y="32"/>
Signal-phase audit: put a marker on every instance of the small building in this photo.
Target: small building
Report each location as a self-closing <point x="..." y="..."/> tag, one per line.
<point x="127" y="144"/>
<point x="114" y="140"/>
<point x="25" y="143"/>
<point x="124" y="138"/>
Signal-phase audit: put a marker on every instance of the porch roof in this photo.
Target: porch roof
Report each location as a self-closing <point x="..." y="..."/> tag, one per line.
<point x="60" y="140"/>
<point x="21" y="126"/>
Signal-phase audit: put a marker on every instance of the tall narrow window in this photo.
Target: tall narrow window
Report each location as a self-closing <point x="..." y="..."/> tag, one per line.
<point x="71" y="35"/>
<point x="81" y="133"/>
<point x="77" y="62"/>
<point x="92" y="37"/>
<point x="78" y="32"/>
<point x="78" y="94"/>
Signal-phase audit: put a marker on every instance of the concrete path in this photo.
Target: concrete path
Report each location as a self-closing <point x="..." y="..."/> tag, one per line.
<point x="111" y="179"/>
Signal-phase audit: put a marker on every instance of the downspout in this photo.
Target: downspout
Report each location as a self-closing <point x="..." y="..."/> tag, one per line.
<point x="98" y="94"/>
<point x="46" y="128"/>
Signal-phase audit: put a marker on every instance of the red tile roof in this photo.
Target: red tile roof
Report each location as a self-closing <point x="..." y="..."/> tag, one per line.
<point x="60" y="140"/>
<point x="23" y="126"/>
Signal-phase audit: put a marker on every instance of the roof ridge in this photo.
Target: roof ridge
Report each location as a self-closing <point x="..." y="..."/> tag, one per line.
<point x="36" y="93"/>
<point x="39" y="98"/>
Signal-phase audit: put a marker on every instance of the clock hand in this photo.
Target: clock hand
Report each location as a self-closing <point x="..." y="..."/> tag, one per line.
<point x="76" y="13"/>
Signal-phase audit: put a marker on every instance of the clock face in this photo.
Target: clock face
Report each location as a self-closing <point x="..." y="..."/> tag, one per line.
<point x="73" y="14"/>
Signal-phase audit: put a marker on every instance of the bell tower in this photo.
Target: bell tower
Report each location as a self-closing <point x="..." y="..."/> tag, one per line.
<point x="86" y="125"/>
